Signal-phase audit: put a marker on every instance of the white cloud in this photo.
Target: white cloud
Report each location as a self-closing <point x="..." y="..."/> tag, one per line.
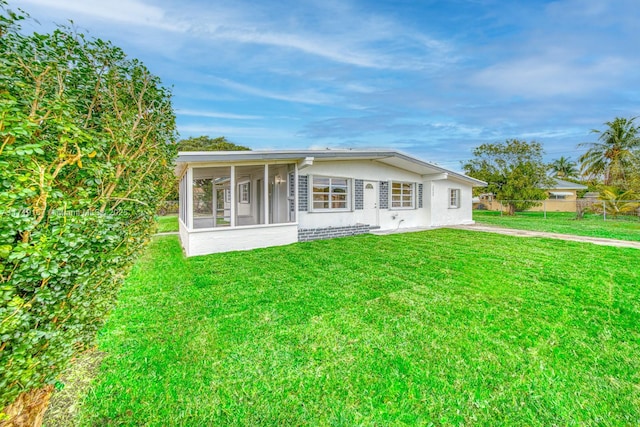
<point x="313" y="45"/>
<point x="124" y="11"/>
<point x="304" y="97"/>
<point x="339" y="33"/>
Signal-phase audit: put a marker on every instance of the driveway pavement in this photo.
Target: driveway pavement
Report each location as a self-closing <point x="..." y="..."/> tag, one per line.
<point x="527" y="233"/>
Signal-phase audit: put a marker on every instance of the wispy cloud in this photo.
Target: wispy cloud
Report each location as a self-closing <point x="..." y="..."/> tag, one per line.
<point x="549" y="76"/>
<point x="429" y="76"/>
<point x="124" y="11"/>
<point x="340" y="33"/>
<point x="216" y="115"/>
<point x="309" y="96"/>
<point x="389" y="125"/>
<point x="308" y="44"/>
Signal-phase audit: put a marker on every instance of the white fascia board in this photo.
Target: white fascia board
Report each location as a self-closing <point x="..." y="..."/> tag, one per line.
<point x="306" y="162"/>
<point x="435" y="176"/>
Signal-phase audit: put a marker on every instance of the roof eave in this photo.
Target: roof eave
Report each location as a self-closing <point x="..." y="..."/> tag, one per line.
<point x="233" y="156"/>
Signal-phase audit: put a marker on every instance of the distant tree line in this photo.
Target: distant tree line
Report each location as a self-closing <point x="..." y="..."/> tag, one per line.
<point x="206" y="143"/>
<point x="515" y="170"/>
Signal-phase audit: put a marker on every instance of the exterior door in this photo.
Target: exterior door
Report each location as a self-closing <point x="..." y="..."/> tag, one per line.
<point x="371" y="213"/>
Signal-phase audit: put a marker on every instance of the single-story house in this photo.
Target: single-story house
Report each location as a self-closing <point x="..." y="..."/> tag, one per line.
<point x="562" y="196"/>
<point x="237" y="200"/>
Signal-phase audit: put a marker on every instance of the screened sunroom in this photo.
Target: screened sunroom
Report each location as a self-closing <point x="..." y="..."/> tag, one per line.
<point x="237" y="206"/>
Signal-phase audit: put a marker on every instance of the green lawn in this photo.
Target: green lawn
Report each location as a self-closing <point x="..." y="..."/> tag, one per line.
<point x="563" y="222"/>
<point x="445" y="327"/>
<point x="167" y="223"/>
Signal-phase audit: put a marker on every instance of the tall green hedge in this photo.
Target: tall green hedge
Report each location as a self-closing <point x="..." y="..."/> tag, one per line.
<point x="86" y="146"/>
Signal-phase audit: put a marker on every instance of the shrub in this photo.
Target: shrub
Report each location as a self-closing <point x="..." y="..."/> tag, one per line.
<point x="86" y="144"/>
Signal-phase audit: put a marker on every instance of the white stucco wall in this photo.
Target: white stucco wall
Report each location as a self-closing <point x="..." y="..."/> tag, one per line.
<point x="202" y="242"/>
<point x="441" y="213"/>
<point x="369" y="171"/>
<point x="435" y="209"/>
<point x="184" y="236"/>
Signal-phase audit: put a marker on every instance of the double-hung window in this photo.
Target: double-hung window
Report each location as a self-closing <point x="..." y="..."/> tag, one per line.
<point x="243" y="191"/>
<point x="454" y="198"/>
<point x="329" y="193"/>
<point x="402" y="195"/>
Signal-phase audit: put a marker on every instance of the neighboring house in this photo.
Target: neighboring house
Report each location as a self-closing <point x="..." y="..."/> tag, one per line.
<point x="562" y="197"/>
<point x="236" y="200"/>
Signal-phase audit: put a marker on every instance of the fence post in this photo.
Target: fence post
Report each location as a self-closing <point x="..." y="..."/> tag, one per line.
<point x="544" y="207"/>
<point x="500" y="207"/>
<point x="604" y="210"/>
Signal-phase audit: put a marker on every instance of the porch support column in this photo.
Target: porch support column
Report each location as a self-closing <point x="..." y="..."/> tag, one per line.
<point x="214" y="202"/>
<point x="189" y="196"/>
<point x="232" y="189"/>
<point x="266" y="194"/>
<point x="295" y="193"/>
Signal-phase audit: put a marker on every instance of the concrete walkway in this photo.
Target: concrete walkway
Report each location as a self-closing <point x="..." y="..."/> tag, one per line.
<point x="570" y="237"/>
<point x="168" y="233"/>
<point x="502" y="230"/>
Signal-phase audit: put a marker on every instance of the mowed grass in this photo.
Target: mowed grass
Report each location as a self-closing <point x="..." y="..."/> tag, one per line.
<point x="167" y="223"/>
<point x="623" y="228"/>
<point x="448" y="327"/>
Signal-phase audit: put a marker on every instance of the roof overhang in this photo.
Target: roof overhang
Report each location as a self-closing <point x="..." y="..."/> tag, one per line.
<point x="560" y="184"/>
<point x="306" y="158"/>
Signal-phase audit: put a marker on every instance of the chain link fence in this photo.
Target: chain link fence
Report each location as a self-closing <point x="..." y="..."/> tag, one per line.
<point x="168" y="207"/>
<point x="607" y="209"/>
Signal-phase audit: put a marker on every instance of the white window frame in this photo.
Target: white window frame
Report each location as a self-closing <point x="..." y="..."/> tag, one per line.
<point x="454" y="202"/>
<point x="349" y="194"/>
<point x="244" y="192"/>
<point x="412" y="186"/>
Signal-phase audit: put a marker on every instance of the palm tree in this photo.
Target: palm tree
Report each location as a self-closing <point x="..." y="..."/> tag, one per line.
<point x="620" y="202"/>
<point x="564" y="168"/>
<point x="615" y="153"/>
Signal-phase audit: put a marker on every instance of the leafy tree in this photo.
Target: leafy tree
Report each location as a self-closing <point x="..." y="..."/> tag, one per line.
<point x="615" y="155"/>
<point x="86" y="146"/>
<point x="514" y="172"/>
<point x="205" y="143"/>
<point x="564" y="168"/>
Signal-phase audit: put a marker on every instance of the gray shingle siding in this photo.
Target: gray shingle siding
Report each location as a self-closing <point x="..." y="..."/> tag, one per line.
<point x="308" y="234"/>
<point x="292" y="193"/>
<point x="384" y="195"/>
<point x="303" y="193"/>
<point x="359" y="194"/>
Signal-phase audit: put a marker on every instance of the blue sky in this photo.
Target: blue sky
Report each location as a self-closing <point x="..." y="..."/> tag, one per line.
<point x="431" y="78"/>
